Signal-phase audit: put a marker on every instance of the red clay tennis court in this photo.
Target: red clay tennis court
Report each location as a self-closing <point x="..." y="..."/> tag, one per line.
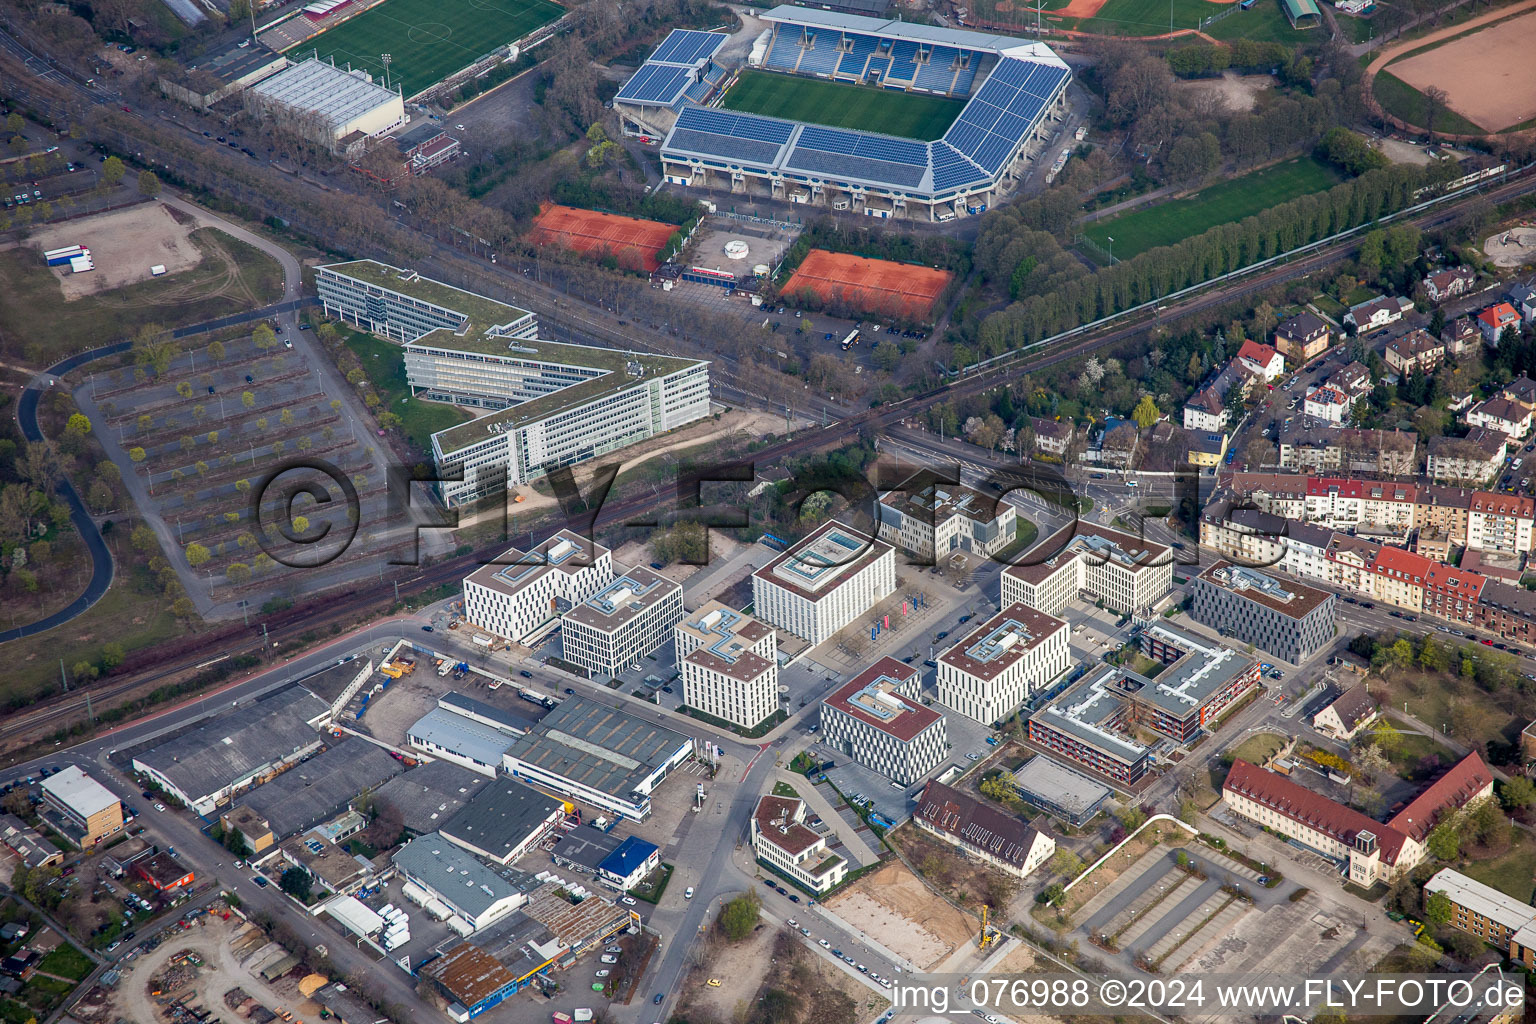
<point x="871" y="286"/>
<point x="634" y="243"/>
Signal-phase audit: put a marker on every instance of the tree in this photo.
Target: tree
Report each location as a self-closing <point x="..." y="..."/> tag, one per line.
<point x="99" y="496"/>
<point x="112" y="171"/>
<point x="197" y="554"/>
<point x="300" y="525"/>
<point x="263" y="336"/>
<point x="1437" y="908"/>
<point x="1146" y="412"/>
<point x="247" y="399"/>
<point x="296" y="883"/>
<point x="1067" y="863"/>
<point x="79" y="423"/>
<point x="1434" y="102"/>
<point x="1444" y="842"/>
<point x="149" y="184"/>
<point x="1519" y="792"/>
<point x="216" y="350"/>
<point x="137" y="454"/>
<point x="739" y="917"/>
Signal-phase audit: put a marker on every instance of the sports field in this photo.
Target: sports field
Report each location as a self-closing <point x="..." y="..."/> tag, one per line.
<point x="1265" y="21"/>
<point x="429" y="39"/>
<point x="880" y="287"/>
<point x="632" y="242"/>
<point x="1178" y="219"/>
<point x="839" y="105"/>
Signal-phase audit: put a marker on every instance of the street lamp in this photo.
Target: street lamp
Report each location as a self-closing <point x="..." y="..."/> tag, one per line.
<point x="1111" y="249"/>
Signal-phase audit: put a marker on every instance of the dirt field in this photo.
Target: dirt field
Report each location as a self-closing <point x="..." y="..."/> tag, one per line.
<point x="1404" y="152"/>
<point x="1486" y="74"/>
<point x="124" y="244"/>
<point x="893" y="905"/>
<point x="1513" y="248"/>
<point x="633" y="243"/>
<point x="740" y="969"/>
<point x="874" y="286"/>
<point x="1238" y="93"/>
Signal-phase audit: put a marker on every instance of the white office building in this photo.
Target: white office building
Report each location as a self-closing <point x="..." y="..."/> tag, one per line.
<point x="553" y="405"/>
<point x="627" y="619"/>
<point x="878" y="719"/>
<point x="987" y="675"/>
<point x="1126" y="573"/>
<point x="730" y="664"/>
<point x="782" y="840"/>
<point x="944" y="518"/>
<point x="824" y="582"/>
<point x="523" y="594"/>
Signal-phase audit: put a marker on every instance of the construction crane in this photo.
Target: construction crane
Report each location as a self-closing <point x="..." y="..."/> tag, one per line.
<point x="988" y="935"/>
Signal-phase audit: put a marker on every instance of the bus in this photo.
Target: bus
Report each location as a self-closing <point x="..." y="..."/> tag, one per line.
<point x="851" y="340"/>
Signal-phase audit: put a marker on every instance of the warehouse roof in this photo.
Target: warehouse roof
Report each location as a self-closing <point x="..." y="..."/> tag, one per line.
<point x="309" y="793"/>
<point x="501" y="817"/>
<point x="597" y="746"/>
<point x="453" y="873"/>
<point x="469" y="974"/>
<point x="79" y="792"/>
<point x="335" y="96"/>
<point x="230" y="748"/>
<point x="459" y="735"/>
<point x="587" y="847"/>
<point x="430" y="794"/>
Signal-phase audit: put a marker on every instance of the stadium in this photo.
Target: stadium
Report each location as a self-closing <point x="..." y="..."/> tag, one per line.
<point x="961" y="113"/>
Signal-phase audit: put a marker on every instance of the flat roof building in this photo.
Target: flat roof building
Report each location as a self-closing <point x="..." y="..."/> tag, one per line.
<point x="504" y="820"/>
<point x="824" y="582"/>
<point x="522" y="595"/>
<point x="631" y="616"/>
<point x="944" y="518"/>
<point x="599" y="756"/>
<point x="427" y="796"/>
<point x="89" y="807"/>
<point x="205" y="765"/>
<point x="551" y="404"/>
<point x="1057" y="789"/>
<point x="585" y="849"/>
<point x="877" y="718"/>
<point x="1481" y="910"/>
<point x="163" y="871"/>
<point x="1090" y="724"/>
<point x="782" y="840"/>
<point x="982" y="831"/>
<point x="327" y="104"/>
<point x="1289" y="620"/>
<point x="474" y="979"/>
<point x="994" y="669"/>
<point x="730" y="665"/>
<point x="310" y="793"/>
<point x="460" y="739"/>
<point x="471" y="889"/>
<point x="1124" y="572"/>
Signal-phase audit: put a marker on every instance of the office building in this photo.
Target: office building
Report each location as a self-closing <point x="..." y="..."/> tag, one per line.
<point x="782" y="840"/>
<point x="877" y="719"/>
<point x="1123" y="572"/>
<point x="1289" y="620"/>
<point x="943" y="518"/>
<point x="824" y="582"/>
<point x="552" y="405"/>
<point x="631" y="616"/>
<point x="522" y="595"/>
<point x="730" y="665"/>
<point x="995" y="668"/>
<point x="1504" y="922"/>
<point x="87" y="806"/>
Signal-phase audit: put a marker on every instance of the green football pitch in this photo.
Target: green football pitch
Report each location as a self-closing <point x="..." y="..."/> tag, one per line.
<point x="1178" y="219"/>
<point x="869" y="108"/>
<point x="428" y="40"/>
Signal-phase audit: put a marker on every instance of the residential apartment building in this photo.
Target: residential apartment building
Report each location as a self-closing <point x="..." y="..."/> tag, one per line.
<point x="88" y="807"/>
<point x="1333" y="450"/>
<point x="1495" y="320"/>
<point x="1469" y="460"/>
<point x="1418" y="351"/>
<point x="1369" y="506"/>
<point x="1501" y="522"/>
<point x="1125" y="572"/>
<point x="1327" y="403"/>
<point x="730" y="664"/>
<point x="1345" y="716"/>
<point x="1462" y="335"/>
<point x="630" y="617"/>
<point x="1522" y="389"/>
<point x="553" y="405"/>
<point x="522" y="595"/>
<point x="1522" y="295"/>
<point x="1290" y="621"/>
<point x="943" y="518"/>
<point x="877" y="718"/>
<point x="1052" y="437"/>
<point x="1302" y="337"/>
<point x="782" y="840"/>
<point x="982" y="831"/>
<point x="1449" y="283"/>
<point x="994" y="669"/>
<point x="824" y="582"/>
<point x="1205" y="411"/>
<point x="1263" y="360"/>
<point x="1504" y="922"/>
<point x="1501" y="415"/>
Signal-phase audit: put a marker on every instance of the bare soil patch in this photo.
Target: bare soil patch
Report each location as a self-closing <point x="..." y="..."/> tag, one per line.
<point x="1238" y="93"/>
<point x="1487" y="75"/>
<point x="895" y="906"/>
<point x="124" y="244"/>
<point x="1513" y="248"/>
<point x="739" y="967"/>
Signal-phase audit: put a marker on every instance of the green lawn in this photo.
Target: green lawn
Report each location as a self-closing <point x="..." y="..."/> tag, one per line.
<point x="428" y="40"/>
<point x="1402" y="100"/>
<point x="384" y="362"/>
<point x="1258" y="748"/>
<point x="1178" y="219"/>
<point x="1265" y="21"/>
<point x="1514" y="873"/>
<point x="869" y="108"/>
<point x="66" y="962"/>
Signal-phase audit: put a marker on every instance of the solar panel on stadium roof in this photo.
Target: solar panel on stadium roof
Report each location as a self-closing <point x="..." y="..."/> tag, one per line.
<point x="723" y="147"/>
<point x="1010" y="71"/>
<point x="994" y="92"/>
<point x="898" y="151"/>
<point x="685" y="46"/>
<point x="852" y="167"/>
<point x="655" y="83"/>
<point x="951" y="170"/>
<point x="982" y="114"/>
<point x="1043" y="80"/>
<point x="1026" y="106"/>
<point x="965" y="137"/>
<point x="991" y="153"/>
<point x="828" y="140"/>
<point x="1010" y="126"/>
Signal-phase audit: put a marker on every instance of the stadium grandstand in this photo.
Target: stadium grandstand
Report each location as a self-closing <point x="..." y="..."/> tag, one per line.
<point x="681" y="70"/>
<point x="1013" y="89"/>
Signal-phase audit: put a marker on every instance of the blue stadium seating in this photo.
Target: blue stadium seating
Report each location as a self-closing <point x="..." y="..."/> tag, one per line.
<point x="903" y="62"/>
<point x="784" y="53"/>
<point x="965" y="76"/>
<point x="852" y="63"/>
<point x="938" y="75"/>
<point x="822" y="57"/>
<point x="880" y="66"/>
